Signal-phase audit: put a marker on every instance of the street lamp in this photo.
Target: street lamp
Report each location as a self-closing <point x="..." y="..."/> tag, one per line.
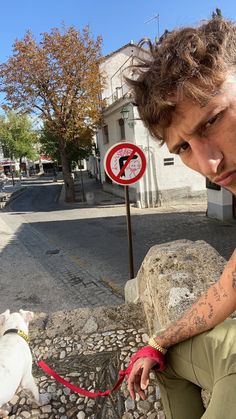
<point x="125" y="113"/>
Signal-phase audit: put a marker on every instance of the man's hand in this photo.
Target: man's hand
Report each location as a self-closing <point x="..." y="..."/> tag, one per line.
<point x="138" y="379"/>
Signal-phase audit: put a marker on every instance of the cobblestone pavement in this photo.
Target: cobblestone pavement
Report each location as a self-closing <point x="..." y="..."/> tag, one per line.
<point x="91" y="361"/>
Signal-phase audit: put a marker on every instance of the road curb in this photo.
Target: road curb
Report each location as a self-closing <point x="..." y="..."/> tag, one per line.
<point x="13" y="195"/>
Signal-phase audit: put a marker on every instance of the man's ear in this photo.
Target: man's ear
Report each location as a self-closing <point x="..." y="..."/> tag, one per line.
<point x="4" y="317"/>
<point x="27" y="315"/>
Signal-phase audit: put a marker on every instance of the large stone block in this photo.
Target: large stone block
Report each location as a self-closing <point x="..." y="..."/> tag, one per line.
<point x="172" y="276"/>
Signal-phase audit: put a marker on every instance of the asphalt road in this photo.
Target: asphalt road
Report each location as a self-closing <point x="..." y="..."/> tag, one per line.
<point x="95" y="238"/>
<point x="90" y="244"/>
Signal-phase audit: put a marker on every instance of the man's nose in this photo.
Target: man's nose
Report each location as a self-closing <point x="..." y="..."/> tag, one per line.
<point x="207" y="155"/>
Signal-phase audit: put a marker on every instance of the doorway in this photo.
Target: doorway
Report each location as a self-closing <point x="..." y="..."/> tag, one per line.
<point x="234" y="207"/>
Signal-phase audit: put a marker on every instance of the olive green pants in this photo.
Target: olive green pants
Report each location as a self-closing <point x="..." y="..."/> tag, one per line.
<point x="207" y="361"/>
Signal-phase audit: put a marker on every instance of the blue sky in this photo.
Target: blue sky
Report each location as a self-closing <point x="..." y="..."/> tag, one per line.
<point x="117" y="21"/>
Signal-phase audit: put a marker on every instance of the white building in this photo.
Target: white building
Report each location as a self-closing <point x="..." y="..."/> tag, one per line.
<point x="166" y="178"/>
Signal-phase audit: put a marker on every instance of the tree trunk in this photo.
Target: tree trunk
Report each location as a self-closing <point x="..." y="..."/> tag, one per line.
<point x="20" y="173"/>
<point x="68" y="179"/>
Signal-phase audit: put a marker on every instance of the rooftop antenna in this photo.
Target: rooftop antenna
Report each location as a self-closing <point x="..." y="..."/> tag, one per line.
<point x="157" y="17"/>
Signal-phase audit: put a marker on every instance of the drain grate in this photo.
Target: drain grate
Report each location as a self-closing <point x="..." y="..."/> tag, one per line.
<point x="52" y="252"/>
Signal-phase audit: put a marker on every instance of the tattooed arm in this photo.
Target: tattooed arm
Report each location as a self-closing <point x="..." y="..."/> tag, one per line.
<point x="214" y="306"/>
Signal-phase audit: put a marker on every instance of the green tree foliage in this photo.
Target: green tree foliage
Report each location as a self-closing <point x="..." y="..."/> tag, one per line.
<point x="17" y="136"/>
<point x="75" y="151"/>
<point x="58" y="78"/>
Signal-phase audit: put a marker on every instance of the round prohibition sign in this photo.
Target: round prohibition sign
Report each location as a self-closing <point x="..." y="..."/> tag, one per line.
<point x="125" y="163"/>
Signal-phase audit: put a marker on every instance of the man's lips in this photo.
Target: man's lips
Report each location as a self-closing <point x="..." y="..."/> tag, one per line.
<point x="226" y="178"/>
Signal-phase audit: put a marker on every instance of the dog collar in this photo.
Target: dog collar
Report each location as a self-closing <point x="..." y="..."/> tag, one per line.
<point x="18" y="332"/>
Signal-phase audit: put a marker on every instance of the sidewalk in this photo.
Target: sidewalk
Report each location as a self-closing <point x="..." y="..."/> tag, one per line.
<point x="89" y="193"/>
<point x="9" y="191"/>
<point x="24" y="281"/>
<point x="95" y="196"/>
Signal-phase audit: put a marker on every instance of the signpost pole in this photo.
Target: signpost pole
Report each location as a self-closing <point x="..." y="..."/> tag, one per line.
<point x="125" y="163"/>
<point x="129" y="232"/>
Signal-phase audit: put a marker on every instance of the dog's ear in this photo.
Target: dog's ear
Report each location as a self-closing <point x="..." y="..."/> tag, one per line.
<point x="27" y="315"/>
<point x="4" y="317"/>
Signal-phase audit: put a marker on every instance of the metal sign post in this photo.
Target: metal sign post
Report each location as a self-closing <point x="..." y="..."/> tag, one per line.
<point x="125" y="163"/>
<point x="129" y="233"/>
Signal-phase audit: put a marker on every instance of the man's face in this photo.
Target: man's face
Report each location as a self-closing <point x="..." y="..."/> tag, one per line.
<point x="205" y="137"/>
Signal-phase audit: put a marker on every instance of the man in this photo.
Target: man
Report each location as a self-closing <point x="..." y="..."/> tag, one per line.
<point x="186" y="96"/>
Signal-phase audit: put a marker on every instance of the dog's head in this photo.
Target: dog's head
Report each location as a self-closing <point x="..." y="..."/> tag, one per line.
<point x="18" y="320"/>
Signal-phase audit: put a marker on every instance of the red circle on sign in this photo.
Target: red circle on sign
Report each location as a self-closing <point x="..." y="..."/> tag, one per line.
<point x="125" y="160"/>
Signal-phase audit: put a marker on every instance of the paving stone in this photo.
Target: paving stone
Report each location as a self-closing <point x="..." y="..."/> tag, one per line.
<point x="90" y="370"/>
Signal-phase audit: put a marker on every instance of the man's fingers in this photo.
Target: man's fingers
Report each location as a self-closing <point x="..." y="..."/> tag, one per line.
<point x="142" y="394"/>
<point x="147" y="366"/>
<point x="131" y="387"/>
<point x="135" y="386"/>
<point x="131" y="391"/>
<point x="144" y="384"/>
<point x="139" y="377"/>
<point x="134" y="378"/>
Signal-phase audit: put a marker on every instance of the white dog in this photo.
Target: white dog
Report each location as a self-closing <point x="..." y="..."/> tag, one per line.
<point x="16" y="359"/>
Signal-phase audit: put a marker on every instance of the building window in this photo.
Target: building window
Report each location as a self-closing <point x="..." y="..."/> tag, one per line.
<point x="122" y="128"/>
<point x="105" y="134"/>
<point x="169" y="161"/>
<point x="211" y="185"/>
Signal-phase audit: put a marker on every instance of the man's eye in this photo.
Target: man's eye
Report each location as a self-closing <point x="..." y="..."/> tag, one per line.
<point x="210" y="121"/>
<point x="183" y="147"/>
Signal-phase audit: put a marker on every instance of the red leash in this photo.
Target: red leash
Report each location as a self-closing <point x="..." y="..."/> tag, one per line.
<point x="147" y="351"/>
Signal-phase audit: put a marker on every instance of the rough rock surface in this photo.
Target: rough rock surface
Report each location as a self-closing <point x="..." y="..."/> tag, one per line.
<point x="88" y="348"/>
<point x="172" y="276"/>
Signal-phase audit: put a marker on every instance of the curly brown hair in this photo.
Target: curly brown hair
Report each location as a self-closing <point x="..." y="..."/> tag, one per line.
<point x="188" y="62"/>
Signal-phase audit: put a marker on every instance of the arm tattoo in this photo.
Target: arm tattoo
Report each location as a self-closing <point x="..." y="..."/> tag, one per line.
<point x="211" y="311"/>
<point x="204" y="314"/>
<point x="234" y="278"/>
<point x="192" y="323"/>
<point x="216" y="293"/>
<point x="197" y="319"/>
